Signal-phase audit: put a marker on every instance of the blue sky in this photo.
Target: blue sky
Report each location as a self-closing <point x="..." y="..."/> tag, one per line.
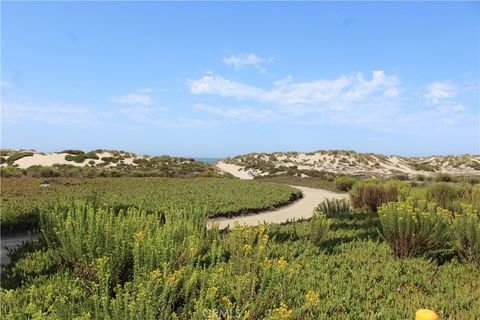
<point x="220" y="79"/>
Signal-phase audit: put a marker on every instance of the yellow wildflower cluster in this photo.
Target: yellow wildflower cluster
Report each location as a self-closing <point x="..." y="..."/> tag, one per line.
<point x="230" y="304"/>
<point x="139" y="235"/>
<point x="282" y="312"/>
<point x="247" y="248"/>
<point x="266" y="264"/>
<point x="312" y="299"/>
<point x="156" y="274"/>
<point x="101" y="261"/>
<point x="282" y="262"/>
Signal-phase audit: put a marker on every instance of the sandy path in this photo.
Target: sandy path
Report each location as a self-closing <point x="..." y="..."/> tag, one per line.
<point x="301" y="209"/>
<point x="11" y="242"/>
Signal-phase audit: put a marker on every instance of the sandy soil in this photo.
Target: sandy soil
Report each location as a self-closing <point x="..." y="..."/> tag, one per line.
<point x="48" y="159"/>
<point x="299" y="210"/>
<point x="234" y="170"/>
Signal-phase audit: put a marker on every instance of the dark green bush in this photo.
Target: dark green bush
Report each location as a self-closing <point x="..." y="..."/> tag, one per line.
<point x="74" y="152"/>
<point x="91" y="155"/>
<point x="373" y="193"/>
<point x="8" y="172"/>
<point x="18" y="155"/>
<point x="75" y="158"/>
<point x="344" y="183"/>
<point x="444" y="177"/>
<point x="444" y="194"/>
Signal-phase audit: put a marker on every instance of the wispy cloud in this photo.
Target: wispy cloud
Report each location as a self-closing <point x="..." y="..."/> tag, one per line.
<point x="134" y="98"/>
<point x="378" y="101"/>
<point x="238" y="113"/>
<point x="47" y="113"/>
<point x="345" y="89"/>
<point x="437" y="92"/>
<point x="247" y="60"/>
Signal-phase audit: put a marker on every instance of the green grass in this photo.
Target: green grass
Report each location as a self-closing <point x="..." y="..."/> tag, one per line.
<point x="141" y="250"/>
<point x="22" y="198"/>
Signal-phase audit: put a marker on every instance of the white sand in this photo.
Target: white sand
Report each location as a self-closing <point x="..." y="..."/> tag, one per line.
<point x="48" y="159"/>
<point x="234" y="170"/>
<point x="299" y="210"/>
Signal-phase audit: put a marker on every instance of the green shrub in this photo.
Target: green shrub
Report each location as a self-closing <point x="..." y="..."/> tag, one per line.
<point x="91" y="155"/>
<point x="475" y="165"/>
<point x="318" y="227"/>
<point x="3" y="160"/>
<point x="414" y="229"/>
<point x="74" y="152"/>
<point x="467" y="234"/>
<point x="372" y="193"/>
<point x="420" y="177"/>
<point x="444" y="194"/>
<point x="333" y="207"/>
<point x="424" y="166"/>
<point x="344" y="183"/>
<point x="9" y="172"/>
<point x="444" y="177"/>
<point x="18" y="155"/>
<point x="75" y="158"/>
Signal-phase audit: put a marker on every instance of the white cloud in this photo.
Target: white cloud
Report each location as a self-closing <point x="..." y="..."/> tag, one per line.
<point x="440" y="91"/>
<point x="146" y="90"/>
<point x="134" y="98"/>
<point x="247" y="60"/>
<point x="47" y="113"/>
<point x="345" y="89"/>
<point x="238" y="113"/>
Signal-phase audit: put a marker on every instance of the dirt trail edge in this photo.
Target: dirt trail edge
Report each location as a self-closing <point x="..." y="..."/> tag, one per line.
<point x="299" y="210"/>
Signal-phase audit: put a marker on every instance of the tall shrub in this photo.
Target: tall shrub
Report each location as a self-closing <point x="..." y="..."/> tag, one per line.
<point x="414" y="228"/>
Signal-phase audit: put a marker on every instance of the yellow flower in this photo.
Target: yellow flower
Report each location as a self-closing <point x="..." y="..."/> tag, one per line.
<point x="282" y="262"/>
<point x="266" y="264"/>
<point x="156" y="273"/>
<point x="247" y="247"/>
<point x="101" y="261"/>
<point x="139" y="235"/>
<point x="282" y="312"/>
<point x="313" y="299"/>
<point x="265" y="237"/>
<point x="220" y="269"/>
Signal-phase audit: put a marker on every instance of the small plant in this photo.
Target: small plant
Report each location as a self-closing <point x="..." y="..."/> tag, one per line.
<point x="345" y="183"/>
<point x="444" y="177"/>
<point x="333" y="207"/>
<point x="467" y="234"/>
<point x="444" y="194"/>
<point x="414" y="229"/>
<point x="318" y="227"/>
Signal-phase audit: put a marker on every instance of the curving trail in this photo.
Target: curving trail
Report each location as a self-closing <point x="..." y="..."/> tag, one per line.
<point x="299" y="210"/>
<point x="12" y="241"/>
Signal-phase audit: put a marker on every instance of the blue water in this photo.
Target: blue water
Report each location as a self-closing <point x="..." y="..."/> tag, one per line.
<point x="208" y="160"/>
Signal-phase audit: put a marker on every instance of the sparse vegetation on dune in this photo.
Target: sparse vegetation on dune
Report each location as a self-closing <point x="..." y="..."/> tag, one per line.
<point x="345" y="162"/>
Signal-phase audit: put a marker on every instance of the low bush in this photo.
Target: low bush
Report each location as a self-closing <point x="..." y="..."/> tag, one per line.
<point x="344" y="183"/>
<point x="444" y="194"/>
<point x="467" y="234"/>
<point x="444" y="177"/>
<point x="319" y="226"/>
<point x="75" y="158"/>
<point x="74" y="152"/>
<point x="18" y="155"/>
<point x="9" y="172"/>
<point x="414" y="229"/>
<point x="333" y="207"/>
<point x="420" y="177"/>
<point x="91" y="155"/>
<point x="372" y="193"/>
